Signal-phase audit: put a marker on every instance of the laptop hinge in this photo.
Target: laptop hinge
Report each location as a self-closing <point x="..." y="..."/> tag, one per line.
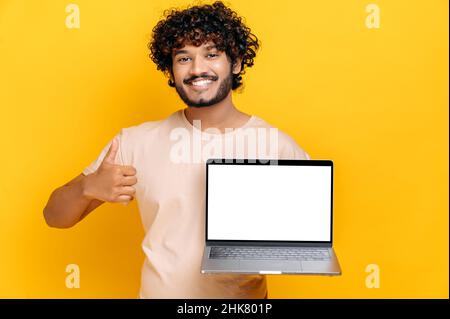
<point x="266" y="243"/>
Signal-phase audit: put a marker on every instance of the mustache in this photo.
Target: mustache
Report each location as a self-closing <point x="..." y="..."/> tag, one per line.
<point x="204" y="77"/>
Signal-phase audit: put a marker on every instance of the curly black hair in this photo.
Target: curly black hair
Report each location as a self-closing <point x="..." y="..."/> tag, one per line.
<point x="197" y="25"/>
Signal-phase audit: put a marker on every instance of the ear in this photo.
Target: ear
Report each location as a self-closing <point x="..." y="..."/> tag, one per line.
<point x="171" y="81"/>
<point x="237" y="66"/>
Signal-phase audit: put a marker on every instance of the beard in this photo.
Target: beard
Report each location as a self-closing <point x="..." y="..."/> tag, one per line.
<point x="222" y="92"/>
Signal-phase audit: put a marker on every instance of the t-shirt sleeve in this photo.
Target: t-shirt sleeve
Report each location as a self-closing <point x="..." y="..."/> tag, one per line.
<point x="295" y="152"/>
<point x="291" y="150"/>
<point x="91" y="168"/>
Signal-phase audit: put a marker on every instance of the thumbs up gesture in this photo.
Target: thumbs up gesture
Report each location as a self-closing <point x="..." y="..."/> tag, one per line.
<point x="111" y="182"/>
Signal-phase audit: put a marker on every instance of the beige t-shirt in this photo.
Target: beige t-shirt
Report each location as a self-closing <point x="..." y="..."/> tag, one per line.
<point x="169" y="156"/>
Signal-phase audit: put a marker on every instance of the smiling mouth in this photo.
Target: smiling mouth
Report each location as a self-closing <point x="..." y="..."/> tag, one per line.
<point x="200" y="85"/>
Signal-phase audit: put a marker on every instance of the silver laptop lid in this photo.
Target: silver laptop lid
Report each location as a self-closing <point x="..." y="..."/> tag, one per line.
<point x="285" y="202"/>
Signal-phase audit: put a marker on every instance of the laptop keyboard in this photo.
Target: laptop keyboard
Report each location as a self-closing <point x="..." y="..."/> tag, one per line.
<point x="269" y="253"/>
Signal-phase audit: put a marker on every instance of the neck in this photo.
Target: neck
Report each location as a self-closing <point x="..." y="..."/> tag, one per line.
<point x="221" y="115"/>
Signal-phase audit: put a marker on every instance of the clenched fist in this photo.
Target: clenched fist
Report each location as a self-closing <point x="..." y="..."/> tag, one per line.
<point x="111" y="182"/>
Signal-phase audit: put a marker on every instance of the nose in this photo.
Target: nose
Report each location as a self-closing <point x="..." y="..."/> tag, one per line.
<point x="198" y="66"/>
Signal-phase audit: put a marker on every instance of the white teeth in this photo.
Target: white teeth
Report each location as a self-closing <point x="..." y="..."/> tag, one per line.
<point x="201" y="82"/>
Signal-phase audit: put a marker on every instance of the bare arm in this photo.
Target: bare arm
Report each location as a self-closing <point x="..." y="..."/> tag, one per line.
<point x="69" y="204"/>
<point x="72" y="202"/>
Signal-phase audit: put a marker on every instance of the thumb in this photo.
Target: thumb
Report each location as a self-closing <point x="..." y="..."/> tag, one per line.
<point x="112" y="152"/>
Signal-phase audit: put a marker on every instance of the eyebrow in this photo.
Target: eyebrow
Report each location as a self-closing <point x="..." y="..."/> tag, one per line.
<point x="209" y="47"/>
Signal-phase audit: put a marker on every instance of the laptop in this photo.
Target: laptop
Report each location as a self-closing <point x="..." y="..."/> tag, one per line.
<point x="269" y="217"/>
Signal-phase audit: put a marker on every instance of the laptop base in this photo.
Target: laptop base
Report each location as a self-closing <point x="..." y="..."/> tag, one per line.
<point x="329" y="267"/>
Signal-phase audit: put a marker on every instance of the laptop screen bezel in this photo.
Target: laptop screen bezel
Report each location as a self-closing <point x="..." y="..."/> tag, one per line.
<point x="287" y="162"/>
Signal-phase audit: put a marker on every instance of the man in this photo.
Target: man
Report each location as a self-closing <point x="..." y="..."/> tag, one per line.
<point x="203" y="50"/>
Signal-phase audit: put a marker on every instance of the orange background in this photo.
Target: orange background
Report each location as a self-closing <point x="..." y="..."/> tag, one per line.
<point x="373" y="100"/>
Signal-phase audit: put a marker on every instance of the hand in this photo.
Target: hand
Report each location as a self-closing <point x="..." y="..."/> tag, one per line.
<point x="111" y="182"/>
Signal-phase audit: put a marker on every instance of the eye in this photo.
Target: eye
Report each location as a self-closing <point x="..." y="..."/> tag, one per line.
<point x="212" y="55"/>
<point x="182" y="59"/>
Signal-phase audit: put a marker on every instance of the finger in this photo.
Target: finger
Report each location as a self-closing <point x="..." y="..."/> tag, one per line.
<point x="129" y="180"/>
<point x="110" y="157"/>
<point x="128" y="170"/>
<point x="124" y="199"/>
<point x="127" y="190"/>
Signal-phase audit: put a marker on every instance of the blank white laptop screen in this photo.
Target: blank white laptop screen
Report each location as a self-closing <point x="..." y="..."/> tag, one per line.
<point x="269" y="202"/>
